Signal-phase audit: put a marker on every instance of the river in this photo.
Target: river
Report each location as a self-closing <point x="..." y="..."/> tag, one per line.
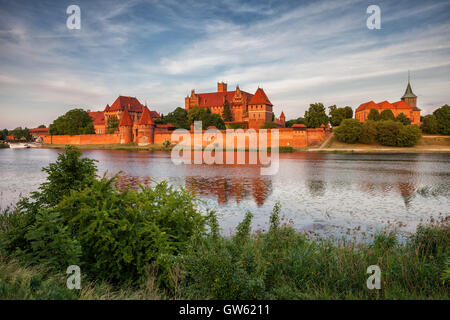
<point x="324" y="193"/>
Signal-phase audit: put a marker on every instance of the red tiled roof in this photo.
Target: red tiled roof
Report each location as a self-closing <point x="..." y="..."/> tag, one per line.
<point x="125" y="120"/>
<point x="146" y="117"/>
<point x="401" y="105"/>
<point x="215" y="99"/>
<point x="98" y="118"/>
<point x="385" y="105"/>
<point x="298" y="125"/>
<point x="154" y="114"/>
<point x="129" y="103"/>
<point x="169" y="125"/>
<point x="260" y="98"/>
<point x="39" y="130"/>
<point x="107" y="108"/>
<point x="367" y="106"/>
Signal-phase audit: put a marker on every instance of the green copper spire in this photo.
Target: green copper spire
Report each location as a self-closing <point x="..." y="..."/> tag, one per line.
<point x="408" y="92"/>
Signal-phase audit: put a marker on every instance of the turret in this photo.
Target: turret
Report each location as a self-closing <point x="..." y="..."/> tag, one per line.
<point x="145" y="128"/>
<point x="409" y="97"/>
<point x="125" y="128"/>
<point x="282" y="119"/>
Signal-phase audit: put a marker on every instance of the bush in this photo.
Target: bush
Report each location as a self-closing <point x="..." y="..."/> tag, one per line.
<point x="373" y="115"/>
<point x="387" y="132"/>
<point x="430" y="124"/>
<point x="443" y="119"/>
<point x="369" y="132"/>
<point x="349" y="131"/>
<point x="408" y="136"/>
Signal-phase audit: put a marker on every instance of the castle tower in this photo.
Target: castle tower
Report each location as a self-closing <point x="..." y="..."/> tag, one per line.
<point x="145" y="128"/>
<point x="221" y="87"/>
<point x="409" y="97"/>
<point x="259" y="110"/>
<point x="125" y="128"/>
<point x="282" y="119"/>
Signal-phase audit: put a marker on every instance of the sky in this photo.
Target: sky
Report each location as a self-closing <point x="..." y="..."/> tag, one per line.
<point x="299" y="52"/>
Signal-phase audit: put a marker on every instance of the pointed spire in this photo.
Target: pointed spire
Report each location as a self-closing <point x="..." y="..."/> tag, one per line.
<point x="125" y="120"/>
<point x="409" y="93"/>
<point x="260" y="98"/>
<point x="146" y="118"/>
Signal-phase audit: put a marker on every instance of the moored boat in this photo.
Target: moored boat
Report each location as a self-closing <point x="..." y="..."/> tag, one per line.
<point x="18" y="146"/>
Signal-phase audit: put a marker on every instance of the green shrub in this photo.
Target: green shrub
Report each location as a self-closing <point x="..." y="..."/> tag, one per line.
<point x="408" y="136"/>
<point x="374" y="115"/>
<point x="349" y="131"/>
<point x="430" y="124"/>
<point x="387" y="132"/>
<point x="369" y="132"/>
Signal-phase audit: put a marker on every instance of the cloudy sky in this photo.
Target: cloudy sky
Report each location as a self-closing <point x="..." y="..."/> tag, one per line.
<point x="300" y="52"/>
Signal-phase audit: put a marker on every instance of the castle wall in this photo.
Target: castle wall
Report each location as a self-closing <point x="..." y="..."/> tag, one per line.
<point x="287" y="137"/>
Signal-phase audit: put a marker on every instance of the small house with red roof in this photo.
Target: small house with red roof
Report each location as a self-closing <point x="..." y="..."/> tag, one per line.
<point x="407" y="105"/>
<point x="249" y="110"/>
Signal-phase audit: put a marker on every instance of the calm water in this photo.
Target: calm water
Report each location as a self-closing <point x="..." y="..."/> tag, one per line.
<point x="327" y="193"/>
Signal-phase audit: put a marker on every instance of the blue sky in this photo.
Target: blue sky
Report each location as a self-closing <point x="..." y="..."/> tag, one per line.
<point x="300" y="52"/>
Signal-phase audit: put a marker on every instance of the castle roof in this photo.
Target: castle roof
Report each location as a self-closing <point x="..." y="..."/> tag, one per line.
<point x="126" y="103"/>
<point x="383" y="105"/>
<point x="106" y="108"/>
<point x="282" y="115"/>
<point x="401" y="105"/>
<point x="125" y="120"/>
<point x="214" y="99"/>
<point x="260" y="98"/>
<point x="98" y="118"/>
<point x="146" y="117"/>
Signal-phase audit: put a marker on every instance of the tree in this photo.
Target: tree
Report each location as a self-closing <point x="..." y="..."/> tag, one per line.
<point x="20" y="133"/>
<point x="387" y="114"/>
<point x="226" y="114"/>
<point x="206" y="117"/>
<point x="112" y="124"/>
<point x="430" y="124"/>
<point x="291" y="122"/>
<point x="316" y="116"/>
<point x="339" y="114"/>
<point x="3" y="134"/>
<point x="373" y="115"/>
<point x="178" y="118"/>
<point x="443" y="119"/>
<point x="403" y="119"/>
<point x="349" y="131"/>
<point x="369" y="132"/>
<point x="42" y="126"/>
<point x="75" y="121"/>
<point x="387" y="132"/>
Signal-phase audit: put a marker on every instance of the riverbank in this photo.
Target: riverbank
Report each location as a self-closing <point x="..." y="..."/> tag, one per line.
<point x="427" y="144"/>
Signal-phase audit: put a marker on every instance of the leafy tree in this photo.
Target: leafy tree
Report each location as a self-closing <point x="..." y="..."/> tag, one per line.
<point x="339" y="114"/>
<point x="75" y="121"/>
<point x="430" y="124"/>
<point x="42" y="126"/>
<point x="178" y="118"/>
<point x="387" y="132"/>
<point x="403" y="119"/>
<point x="226" y="114"/>
<point x="374" y="115"/>
<point x="3" y="134"/>
<point x="387" y="114"/>
<point x="369" y="132"/>
<point x="112" y="124"/>
<point x="349" y="131"/>
<point x="408" y="136"/>
<point x="208" y="119"/>
<point x="443" y="119"/>
<point x="291" y="122"/>
<point x="20" y="133"/>
<point x="315" y="116"/>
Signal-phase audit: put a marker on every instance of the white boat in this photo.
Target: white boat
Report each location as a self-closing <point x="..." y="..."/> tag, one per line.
<point x="18" y="146"/>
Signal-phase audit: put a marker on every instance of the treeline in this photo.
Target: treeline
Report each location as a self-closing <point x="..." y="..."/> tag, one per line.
<point x="438" y="122"/>
<point x="18" y="133"/>
<point x="155" y="243"/>
<point x="316" y="116"/>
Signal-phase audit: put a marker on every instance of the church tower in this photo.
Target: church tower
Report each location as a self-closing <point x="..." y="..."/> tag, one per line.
<point x="409" y="97"/>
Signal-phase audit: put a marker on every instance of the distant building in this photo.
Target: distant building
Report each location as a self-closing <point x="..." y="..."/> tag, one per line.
<point x="407" y="105"/>
<point x="250" y="110"/>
